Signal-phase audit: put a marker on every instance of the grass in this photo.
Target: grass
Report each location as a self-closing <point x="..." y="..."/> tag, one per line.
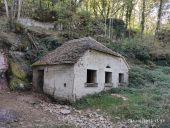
<point x="147" y="99"/>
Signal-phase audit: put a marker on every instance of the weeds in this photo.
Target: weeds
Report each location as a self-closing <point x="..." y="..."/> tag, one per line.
<point x="148" y="96"/>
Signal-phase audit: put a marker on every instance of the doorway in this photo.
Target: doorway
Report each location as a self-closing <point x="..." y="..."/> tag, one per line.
<point x="40" y="80"/>
<point x="121" y="78"/>
<point x="108" y="77"/>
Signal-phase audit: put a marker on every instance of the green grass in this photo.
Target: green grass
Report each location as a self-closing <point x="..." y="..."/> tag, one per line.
<point x="148" y="96"/>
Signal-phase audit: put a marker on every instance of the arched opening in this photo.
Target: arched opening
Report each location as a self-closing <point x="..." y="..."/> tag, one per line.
<point x="108" y="66"/>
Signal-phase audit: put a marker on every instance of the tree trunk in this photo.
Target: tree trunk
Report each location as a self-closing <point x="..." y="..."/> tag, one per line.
<point x="19" y="9"/>
<point x="159" y="17"/>
<point x="13" y="15"/>
<point x="143" y="18"/>
<point x="6" y="8"/>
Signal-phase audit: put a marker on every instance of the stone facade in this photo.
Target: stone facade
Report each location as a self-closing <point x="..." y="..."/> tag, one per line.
<point x="98" y="61"/>
<point x="94" y="72"/>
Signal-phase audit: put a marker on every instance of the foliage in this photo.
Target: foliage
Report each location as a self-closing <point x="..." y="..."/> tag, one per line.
<point x="143" y="103"/>
<point x="44" y="15"/>
<point x="33" y="55"/>
<point x="165" y="124"/>
<point x="140" y="77"/>
<point x="50" y="43"/>
<point x="118" y="25"/>
<point x="46" y="44"/>
<point x="164" y="35"/>
<point x="132" y="48"/>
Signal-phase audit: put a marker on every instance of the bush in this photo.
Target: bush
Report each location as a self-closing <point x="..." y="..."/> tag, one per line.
<point x="139" y="77"/>
<point x="44" y="15"/>
<point x="33" y="55"/>
<point x="166" y="70"/>
<point x="165" y="124"/>
<point x="50" y="43"/>
<point x="135" y="48"/>
<point x="136" y="78"/>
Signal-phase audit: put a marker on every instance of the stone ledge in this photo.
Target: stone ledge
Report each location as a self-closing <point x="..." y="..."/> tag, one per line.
<point x="108" y="85"/>
<point x="91" y="84"/>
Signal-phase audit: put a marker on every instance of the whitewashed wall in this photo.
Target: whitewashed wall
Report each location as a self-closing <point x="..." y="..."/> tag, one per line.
<point x="58" y="81"/>
<point x="97" y="61"/>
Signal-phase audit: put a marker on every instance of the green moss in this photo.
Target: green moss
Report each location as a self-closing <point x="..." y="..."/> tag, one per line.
<point x="19" y="28"/>
<point x="16" y="83"/>
<point x="17" y="77"/>
<point x="17" y="71"/>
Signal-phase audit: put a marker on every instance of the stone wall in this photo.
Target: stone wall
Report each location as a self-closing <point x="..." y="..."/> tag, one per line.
<point x="59" y="81"/>
<point x="97" y="61"/>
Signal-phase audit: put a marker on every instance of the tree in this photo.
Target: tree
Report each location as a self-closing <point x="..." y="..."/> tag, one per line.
<point x="6" y="8"/>
<point x="159" y="17"/>
<point x="143" y="18"/>
<point x="19" y="9"/>
<point x="129" y="7"/>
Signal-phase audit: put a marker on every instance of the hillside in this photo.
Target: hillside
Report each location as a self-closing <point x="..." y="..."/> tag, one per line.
<point x="38" y="28"/>
<point x="145" y="98"/>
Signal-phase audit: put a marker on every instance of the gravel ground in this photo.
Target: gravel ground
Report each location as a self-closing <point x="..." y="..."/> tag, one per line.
<point x="31" y="110"/>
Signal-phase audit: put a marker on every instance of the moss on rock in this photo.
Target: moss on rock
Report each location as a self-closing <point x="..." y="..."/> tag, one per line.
<point x="17" y="71"/>
<point x="16" y="84"/>
<point x="17" y="77"/>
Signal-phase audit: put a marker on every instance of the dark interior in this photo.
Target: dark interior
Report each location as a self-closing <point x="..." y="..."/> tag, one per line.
<point x="108" y="77"/>
<point x="40" y="80"/>
<point x="121" y="78"/>
<point x="91" y="76"/>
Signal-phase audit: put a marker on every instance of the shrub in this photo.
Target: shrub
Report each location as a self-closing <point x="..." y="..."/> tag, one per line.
<point x="139" y="77"/>
<point x="44" y="15"/>
<point x="134" y="46"/>
<point x="136" y="77"/>
<point x="50" y="43"/>
<point x="166" y="70"/>
<point x="33" y="55"/>
<point x="165" y="124"/>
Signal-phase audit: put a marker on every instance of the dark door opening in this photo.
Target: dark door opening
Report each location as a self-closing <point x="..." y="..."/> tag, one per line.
<point x="121" y="78"/>
<point x="108" y="77"/>
<point x="40" y="80"/>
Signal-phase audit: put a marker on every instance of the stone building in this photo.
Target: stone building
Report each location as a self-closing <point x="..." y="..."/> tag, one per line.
<point x="78" y="68"/>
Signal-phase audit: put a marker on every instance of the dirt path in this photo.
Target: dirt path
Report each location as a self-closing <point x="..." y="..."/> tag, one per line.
<point x="29" y="116"/>
<point x="36" y="111"/>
